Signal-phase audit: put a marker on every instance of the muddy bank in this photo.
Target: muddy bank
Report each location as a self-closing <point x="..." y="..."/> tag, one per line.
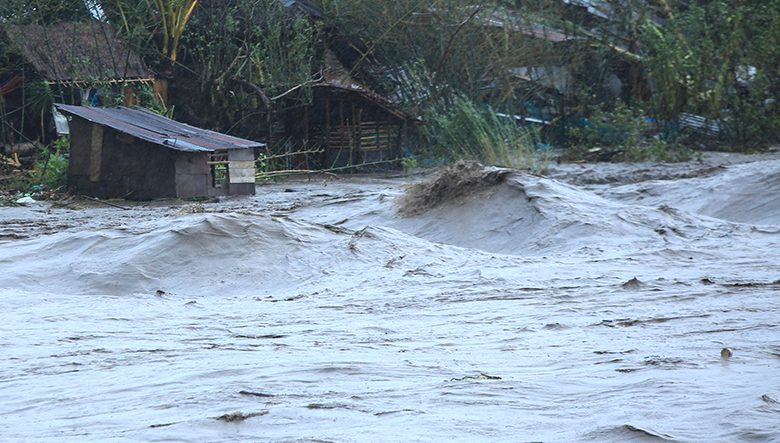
<point x="555" y="308"/>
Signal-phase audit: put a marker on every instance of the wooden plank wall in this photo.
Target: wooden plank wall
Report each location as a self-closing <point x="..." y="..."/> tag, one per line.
<point x="368" y="136"/>
<point x="379" y="136"/>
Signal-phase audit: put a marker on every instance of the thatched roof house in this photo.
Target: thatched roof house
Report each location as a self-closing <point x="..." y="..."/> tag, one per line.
<point x="78" y="61"/>
<point x="77" y="53"/>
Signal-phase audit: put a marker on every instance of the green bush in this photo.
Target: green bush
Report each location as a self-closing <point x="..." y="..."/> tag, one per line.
<point x="621" y="134"/>
<point x="466" y="131"/>
<point x="51" y="168"/>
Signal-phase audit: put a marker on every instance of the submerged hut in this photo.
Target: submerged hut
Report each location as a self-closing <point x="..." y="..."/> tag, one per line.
<point x="137" y="154"/>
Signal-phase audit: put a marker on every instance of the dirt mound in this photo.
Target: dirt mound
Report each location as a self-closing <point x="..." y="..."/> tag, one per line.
<point x="461" y="178"/>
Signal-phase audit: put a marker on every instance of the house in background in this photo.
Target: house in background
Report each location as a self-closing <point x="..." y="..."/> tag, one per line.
<point x="70" y="63"/>
<point x="136" y="154"/>
<point x="351" y="123"/>
<point x="77" y="54"/>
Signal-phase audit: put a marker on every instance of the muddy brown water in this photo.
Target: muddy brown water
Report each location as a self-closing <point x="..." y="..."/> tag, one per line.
<point x="590" y="305"/>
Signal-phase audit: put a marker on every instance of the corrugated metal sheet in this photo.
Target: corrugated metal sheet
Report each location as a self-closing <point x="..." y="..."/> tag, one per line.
<point x="304" y="7"/>
<point x="700" y="124"/>
<point x="146" y="125"/>
<point x="599" y="8"/>
<point x="534" y="30"/>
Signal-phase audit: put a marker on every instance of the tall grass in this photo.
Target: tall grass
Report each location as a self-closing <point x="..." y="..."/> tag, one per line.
<point x="464" y="130"/>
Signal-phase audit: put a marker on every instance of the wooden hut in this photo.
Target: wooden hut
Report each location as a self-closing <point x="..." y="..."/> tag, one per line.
<point x="137" y="154"/>
<point x="77" y="54"/>
<point x="65" y="63"/>
<point x="352" y="124"/>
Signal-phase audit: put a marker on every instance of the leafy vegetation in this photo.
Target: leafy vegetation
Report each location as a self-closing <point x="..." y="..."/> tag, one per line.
<point x="610" y="88"/>
<point x="242" y="62"/>
<point x="721" y="60"/>
<point x="51" y="168"/>
<point x="466" y="131"/>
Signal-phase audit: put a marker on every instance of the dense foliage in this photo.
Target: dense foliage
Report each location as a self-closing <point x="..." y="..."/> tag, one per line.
<point x="721" y="60"/>
<point x="620" y="78"/>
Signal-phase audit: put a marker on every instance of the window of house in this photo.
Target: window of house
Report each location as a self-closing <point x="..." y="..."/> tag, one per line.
<point x="219" y="168"/>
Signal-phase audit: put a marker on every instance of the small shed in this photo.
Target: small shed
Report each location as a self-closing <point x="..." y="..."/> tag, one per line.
<point x="137" y="154"/>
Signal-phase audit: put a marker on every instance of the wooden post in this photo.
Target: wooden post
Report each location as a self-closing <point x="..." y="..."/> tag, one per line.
<point x="327" y="122"/>
<point x="96" y="153"/>
<point x="160" y="88"/>
<point x="341" y="128"/>
<point x="129" y="94"/>
<point x="355" y="127"/>
<point x="306" y="135"/>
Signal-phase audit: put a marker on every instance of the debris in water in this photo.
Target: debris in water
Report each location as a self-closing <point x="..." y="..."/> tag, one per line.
<point x="647" y="432"/>
<point x="195" y="208"/>
<point x="352" y="245"/>
<point x="462" y="178"/>
<point x="236" y="417"/>
<point x="394" y="261"/>
<point x="336" y="229"/>
<point x="479" y="377"/>
<point x="752" y="284"/>
<point x="26" y="201"/>
<point x="555" y="325"/>
<point x="421" y="272"/>
<point x="767" y="399"/>
<point x="256" y="394"/>
<point x="726" y="353"/>
<point x="160" y="292"/>
<point x="634" y="283"/>
<point x="256" y="337"/>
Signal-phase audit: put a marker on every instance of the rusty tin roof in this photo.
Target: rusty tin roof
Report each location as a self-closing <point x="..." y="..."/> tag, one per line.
<point x="146" y="125"/>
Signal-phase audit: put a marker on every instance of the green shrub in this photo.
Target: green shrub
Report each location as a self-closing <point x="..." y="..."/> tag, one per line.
<point x="51" y="168"/>
<point x="621" y="134"/>
<point x="466" y="131"/>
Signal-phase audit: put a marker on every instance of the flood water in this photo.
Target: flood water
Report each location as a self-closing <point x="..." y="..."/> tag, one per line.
<point x="590" y="305"/>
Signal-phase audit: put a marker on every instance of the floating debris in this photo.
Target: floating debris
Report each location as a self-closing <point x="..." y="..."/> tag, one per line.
<point x="256" y="394"/>
<point x="479" y="377"/>
<point x="634" y="283"/>
<point x="726" y="353"/>
<point x="767" y="399"/>
<point x="195" y="208"/>
<point x="236" y="417"/>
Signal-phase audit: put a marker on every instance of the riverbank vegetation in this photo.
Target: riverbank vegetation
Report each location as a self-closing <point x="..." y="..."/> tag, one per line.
<point x="504" y="82"/>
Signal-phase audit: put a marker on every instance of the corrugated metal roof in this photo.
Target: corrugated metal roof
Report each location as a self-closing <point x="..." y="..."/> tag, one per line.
<point x="535" y="30"/>
<point x="599" y="8"/>
<point x="304" y="7"/>
<point x="146" y="125"/>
